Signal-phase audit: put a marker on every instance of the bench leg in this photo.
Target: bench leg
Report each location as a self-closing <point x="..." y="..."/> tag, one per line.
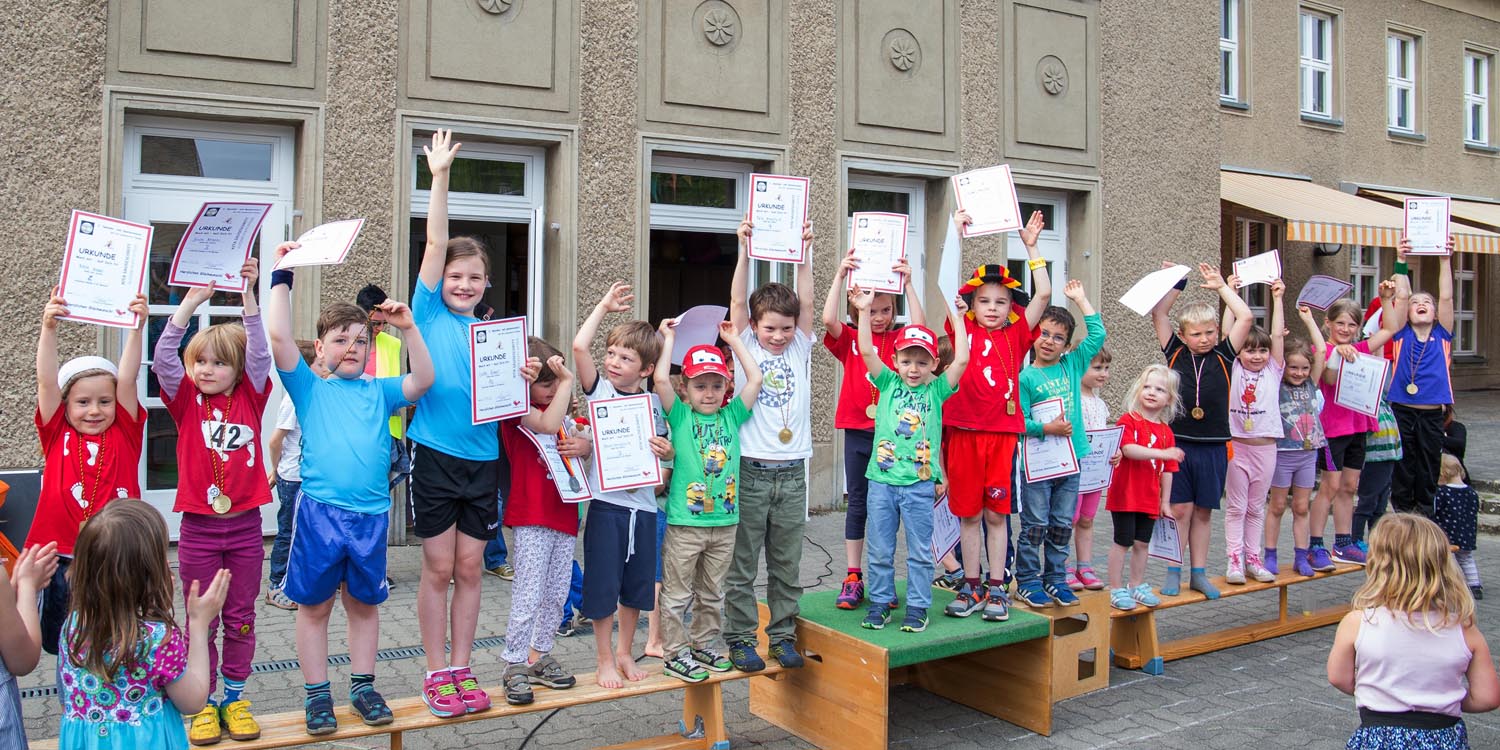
<point x="703" y="710"/>
<point x="838" y="700"/>
<point x="1133" y="643"/>
<point x="1011" y="682"/>
<point x="395" y="741"/>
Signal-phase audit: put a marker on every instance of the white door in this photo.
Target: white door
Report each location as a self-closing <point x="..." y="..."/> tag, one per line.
<point x="1052" y="244"/>
<point x="897" y="195"/>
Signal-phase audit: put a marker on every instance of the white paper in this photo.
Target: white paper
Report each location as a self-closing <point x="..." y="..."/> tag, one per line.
<point x="1051" y="456"/>
<point x="1322" y="291"/>
<point x="324" y="245"/>
<point x="945" y="528"/>
<point x="948" y="264"/>
<point x="1259" y="269"/>
<point x="697" y="326"/>
<point x="879" y="242"/>
<point x="215" y="246"/>
<point x="622" y="443"/>
<point x="1361" y="383"/>
<point x="567" y="473"/>
<point x="104" y="268"/>
<point x="989" y="197"/>
<point x="1151" y="288"/>
<point x="497" y="350"/>
<point x="1094" y="469"/>
<point x="778" y="208"/>
<point x="1426" y="225"/>
<point x="1165" y="544"/>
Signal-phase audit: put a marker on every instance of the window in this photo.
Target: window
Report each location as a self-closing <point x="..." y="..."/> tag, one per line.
<point x="1316" y="61"/>
<point x="1401" y="82"/>
<point x="1477" y="67"/>
<point x="1465" y="302"/>
<point x="1231" y="58"/>
<point x="1253" y="238"/>
<point x="897" y="195"/>
<point x="1364" y="272"/>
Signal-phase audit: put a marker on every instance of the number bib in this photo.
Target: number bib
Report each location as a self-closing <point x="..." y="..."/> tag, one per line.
<point x="226" y="437"/>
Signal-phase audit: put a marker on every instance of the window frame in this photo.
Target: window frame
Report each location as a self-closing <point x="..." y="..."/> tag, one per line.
<point x="1362" y="272"/>
<point x="1402" y="49"/>
<point x="1309" y="67"/>
<point x="1481" y="95"/>
<point x="1232" y="71"/>
<point x="915" y="189"/>
<point x="483" y="206"/>
<point x="1465" y="268"/>
<point x="1260" y="311"/>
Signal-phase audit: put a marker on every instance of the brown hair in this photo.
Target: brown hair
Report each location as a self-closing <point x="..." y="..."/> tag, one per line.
<point x="120" y="581"/>
<point x="539" y="348"/>
<point x="1257" y="338"/>
<point x="945" y="355"/>
<point x="774" y="297"/>
<point x="1104" y="357"/>
<point x="854" y="311"/>
<point x="308" y="351"/>
<point x="1296" y="345"/>
<point x="639" y="337"/>
<point x="1411" y="573"/>
<point x="467" y="247"/>
<point x="226" y="341"/>
<point x="340" y="315"/>
<point x="1062" y="317"/>
<point x="1341" y="308"/>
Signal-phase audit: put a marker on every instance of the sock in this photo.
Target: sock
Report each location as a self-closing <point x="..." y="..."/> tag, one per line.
<point x="1314" y="542"/>
<point x="858" y="572"/>
<point x="972" y="582"/>
<point x="232" y="690"/>
<point x="320" y="690"/>
<point x="1269" y="551"/>
<point x="1173" y="583"/>
<point x="1198" y="580"/>
<point x="996" y="586"/>
<point x="359" y="683"/>
<point x="1343" y="540"/>
<point x="437" y="672"/>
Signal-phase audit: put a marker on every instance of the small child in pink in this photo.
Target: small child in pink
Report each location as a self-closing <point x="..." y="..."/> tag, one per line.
<point x="1254" y="426"/>
<point x="1095" y="417"/>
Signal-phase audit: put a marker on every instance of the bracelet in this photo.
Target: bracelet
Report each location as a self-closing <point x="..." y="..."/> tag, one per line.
<point x="1401" y="269"/>
<point x="1181" y="284"/>
<point x="281" y="276"/>
<point x="1036" y="263"/>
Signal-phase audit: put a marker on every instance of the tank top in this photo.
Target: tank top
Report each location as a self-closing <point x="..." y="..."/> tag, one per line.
<point x="1400" y="665"/>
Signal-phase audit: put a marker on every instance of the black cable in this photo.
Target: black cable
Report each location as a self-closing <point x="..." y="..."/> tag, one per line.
<point x="539" y="725"/>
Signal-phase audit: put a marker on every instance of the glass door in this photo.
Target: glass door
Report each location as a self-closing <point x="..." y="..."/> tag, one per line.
<point x="1052" y="244"/>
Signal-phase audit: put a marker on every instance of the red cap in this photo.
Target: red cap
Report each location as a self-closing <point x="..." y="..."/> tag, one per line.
<point x="920" y="336"/>
<point x="704" y="359"/>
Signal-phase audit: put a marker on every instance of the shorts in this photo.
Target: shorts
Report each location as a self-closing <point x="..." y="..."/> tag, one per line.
<point x="1131" y="527"/>
<point x="447" y="490"/>
<point x="1200" y="478"/>
<point x="331" y="546"/>
<point x="979" y="466"/>
<point x="661" y="538"/>
<point x="1088" y="505"/>
<point x="1346" y="452"/>
<point x="613" y="575"/>
<point x="1296" y="468"/>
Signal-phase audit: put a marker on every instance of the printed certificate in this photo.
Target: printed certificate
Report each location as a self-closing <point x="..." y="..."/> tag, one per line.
<point x="104" y="268"/>
<point x="215" y="246"/>
<point x="1259" y="269"/>
<point x="1094" y="470"/>
<point x="989" y="197"/>
<point x="1051" y="456"/>
<point x="497" y="349"/>
<point x="623" y="428"/>
<point x="324" y="245"/>
<point x="1361" y="384"/>
<point x="1426" y="225"/>
<point x="1151" y="288"/>
<point x="1322" y="291"/>
<point x="567" y="473"/>
<point x="945" y="528"/>
<point x="879" y="242"/>
<point x="1165" y="544"/>
<point x="778" y="207"/>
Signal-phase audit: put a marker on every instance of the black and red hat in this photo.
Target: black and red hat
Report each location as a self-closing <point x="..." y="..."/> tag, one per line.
<point x="995" y="273"/>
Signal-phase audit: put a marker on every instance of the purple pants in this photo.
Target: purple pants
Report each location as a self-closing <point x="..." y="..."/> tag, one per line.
<point x="207" y="544"/>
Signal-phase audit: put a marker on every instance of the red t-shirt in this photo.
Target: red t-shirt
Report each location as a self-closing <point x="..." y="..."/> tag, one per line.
<point x="857" y="392"/>
<point x="110" y="470"/>
<point x="532" y="499"/>
<point x="992" y="378"/>
<point x="238" y="435"/>
<point x="1136" y="486"/>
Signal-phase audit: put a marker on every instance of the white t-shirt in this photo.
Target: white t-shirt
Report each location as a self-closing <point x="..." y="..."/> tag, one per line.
<point x="640" y="498"/>
<point x="289" y="468"/>
<point x="785" y="400"/>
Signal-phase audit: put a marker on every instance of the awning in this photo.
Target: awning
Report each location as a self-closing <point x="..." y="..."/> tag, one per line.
<point x="1314" y="213"/>
<point x="1473" y="212"/>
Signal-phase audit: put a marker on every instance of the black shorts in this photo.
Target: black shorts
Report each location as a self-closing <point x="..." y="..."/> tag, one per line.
<point x="1347" y="452"/>
<point x="447" y="490"/>
<point x="611" y="575"/>
<point x="1132" y="527"/>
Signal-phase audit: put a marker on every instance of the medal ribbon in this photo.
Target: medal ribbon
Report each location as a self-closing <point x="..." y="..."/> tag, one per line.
<point x="81" y="449"/>
<point x="213" y="453"/>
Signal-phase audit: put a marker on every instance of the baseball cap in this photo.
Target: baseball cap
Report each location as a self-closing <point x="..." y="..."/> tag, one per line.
<point x="704" y="359"/>
<point x="919" y="336"/>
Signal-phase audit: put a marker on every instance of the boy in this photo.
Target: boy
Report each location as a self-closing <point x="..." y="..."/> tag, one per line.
<point x="1420" y="384"/>
<point x="619" y="563"/>
<point x="902" y="473"/>
<point x="984" y="419"/>
<point x="284" y="454"/>
<point x="1047" y="507"/>
<point x="703" y="508"/>
<point x="1203" y="364"/>
<point x="775" y="327"/>
<point x="342" y="508"/>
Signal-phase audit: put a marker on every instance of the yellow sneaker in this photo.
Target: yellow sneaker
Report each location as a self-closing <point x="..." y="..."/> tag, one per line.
<point x="239" y="722"/>
<point x="203" y="728"/>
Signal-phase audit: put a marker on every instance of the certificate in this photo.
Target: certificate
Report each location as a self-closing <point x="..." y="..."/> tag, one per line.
<point x="497" y="349"/>
<point x="215" y="246"/>
<point x="1165" y="544"/>
<point x="879" y="242"/>
<point x="1151" y="288"/>
<point x="989" y="197"/>
<point x="1094" y="469"/>
<point x="567" y="473"/>
<point x="1322" y="291"/>
<point x="945" y="528"/>
<point x="104" y="268"/>
<point x="1259" y="269"/>
<point x="699" y="325"/>
<point x="1361" y="384"/>
<point x="323" y="245"/>
<point x="622" y="443"/>
<point x="1050" y="456"/>
<point x="778" y="207"/>
<point x="1426" y="225"/>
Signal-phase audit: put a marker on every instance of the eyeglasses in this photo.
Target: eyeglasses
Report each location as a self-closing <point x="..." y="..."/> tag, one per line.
<point x="1053" y="337"/>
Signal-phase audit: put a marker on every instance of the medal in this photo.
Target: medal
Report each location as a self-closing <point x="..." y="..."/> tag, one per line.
<point x="1249" y="424"/>
<point x="1307" y="444"/>
<point x="218" y="500"/>
<point x="1010" y="408"/>
<point x="1411" y="388"/>
<point x="785" y="435"/>
<point x="870" y="411"/>
<point x="1197" y="412"/>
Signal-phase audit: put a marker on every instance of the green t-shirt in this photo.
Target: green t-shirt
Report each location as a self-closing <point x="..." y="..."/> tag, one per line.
<point x="706" y="471"/>
<point x="1064" y="380"/>
<point x="908" y="430"/>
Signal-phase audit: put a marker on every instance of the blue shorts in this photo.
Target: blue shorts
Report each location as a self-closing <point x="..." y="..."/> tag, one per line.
<point x="331" y="546"/>
<point x="1200" y="478"/>
<point x="661" y="538"/>
<point x="609" y="578"/>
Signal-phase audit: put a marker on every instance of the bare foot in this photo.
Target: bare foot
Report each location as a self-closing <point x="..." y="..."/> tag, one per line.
<point x="654" y="648"/>
<point x="607" y="676"/>
<point x="629" y="668"/>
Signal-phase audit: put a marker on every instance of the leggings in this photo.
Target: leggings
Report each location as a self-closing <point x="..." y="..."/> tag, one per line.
<point x="857" y="447"/>
<point x="1132" y="527"/>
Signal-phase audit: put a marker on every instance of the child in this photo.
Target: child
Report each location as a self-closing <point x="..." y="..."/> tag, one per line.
<point x="90" y="425"/>
<point x="1421" y="386"/>
<point x="1141" y="488"/>
<point x="775" y="325"/>
<point x="133" y="693"/>
<point x="1255" y="426"/>
<point x="702" y="509"/>
<point x="1201" y="428"/>
<point x="1095" y="417"/>
<point x="1300" y="401"/>
<point x="216" y="394"/>
<point x="21" y="633"/>
<point x="984" y="420"/>
<point x="1048" y="506"/>
<point x="1382" y="452"/>
<point x="1456" y="512"/>
<point x="1411" y="644"/>
<point x="343" y="507"/>
<point x="284" y="456"/>
<point x="857" y="405"/>
<point x="902" y="472"/>
<point x="546" y="530"/>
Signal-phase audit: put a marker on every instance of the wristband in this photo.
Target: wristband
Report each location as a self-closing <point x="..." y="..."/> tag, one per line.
<point x="281" y="276"/>
<point x="1036" y="263"/>
<point x="1179" y="286"/>
<point x="1401" y="269"/>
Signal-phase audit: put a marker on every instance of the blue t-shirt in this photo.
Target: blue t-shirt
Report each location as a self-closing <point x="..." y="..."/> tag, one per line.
<point x="445" y="415"/>
<point x="346" y="448"/>
<point x="1429" y="359"/>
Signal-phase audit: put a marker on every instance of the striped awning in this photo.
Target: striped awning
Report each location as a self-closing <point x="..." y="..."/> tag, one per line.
<point x="1486" y="215"/>
<point x="1314" y="213"/>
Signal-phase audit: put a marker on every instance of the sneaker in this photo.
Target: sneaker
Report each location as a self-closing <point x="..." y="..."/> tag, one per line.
<point x="684" y="668"/>
<point x="548" y="673"/>
<point x="1063" y="595"/>
<point x="1235" y="572"/>
<point x="474" y="697"/>
<point x="785" y="653"/>
<point x="319" y="720"/>
<point x="1348" y="553"/>
<point x="1301" y="564"/>
<point x="1477" y="592"/>
<point x="1270" y="562"/>
<point x="950" y="580"/>
<point x="1089" y="580"/>
<point x="517" y="685"/>
<point x="712" y="660"/>
<point x="1072" y="580"/>
<point x="966" y="602"/>
<point x="1145" y="595"/>
<point x="996" y="607"/>
<point x="877" y="616"/>
<point x="1363" y="547"/>
<point x="504" y="572"/>
<point x="204" y="728"/>
<point x="372" y="708"/>
<point x="852" y="593"/>
<point x="742" y="655"/>
<point x="1318" y="558"/>
<point x="440" y="694"/>
<point x="277" y="598"/>
<point x="238" y="722"/>
<point x="1259" y="572"/>
<point x="567" y="628"/>
<point x="1121" y="599"/>
<point x="915" y="620"/>
<point x="1033" y="596"/>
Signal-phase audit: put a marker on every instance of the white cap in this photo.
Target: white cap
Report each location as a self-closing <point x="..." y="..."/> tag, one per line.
<point x="75" y="367"/>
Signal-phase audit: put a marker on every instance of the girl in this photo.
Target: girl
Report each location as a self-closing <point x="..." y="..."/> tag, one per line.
<point x="1456" y="512"/>
<point x="1255" y="426"/>
<point x="126" y="674"/>
<point x="21" y="633"/>
<point x="1141" y="490"/>
<point x="90" y="425"/>
<point x="1301" y="444"/>
<point x="220" y="482"/>
<point x="1455" y="438"/>
<point x="1095" y="417"/>
<point x="1421" y="384"/>
<point x="1411" y="643"/>
<point x="855" y="414"/>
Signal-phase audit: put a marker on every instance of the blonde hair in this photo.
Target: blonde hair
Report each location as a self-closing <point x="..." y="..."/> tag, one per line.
<point x="1173" y="409"/>
<point x="1197" y="314"/>
<point x="1338" y="310"/>
<point x="225" y="341"/>
<point x="1452" y="469"/>
<point x="1410" y="571"/>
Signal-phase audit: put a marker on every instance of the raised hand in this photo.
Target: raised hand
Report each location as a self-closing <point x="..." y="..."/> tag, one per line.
<point x="962" y="218"/>
<point x="142" y="308"/>
<point x="744" y="230"/>
<point x="441" y="152"/>
<point x="1278" y="288"/>
<point x="1402" y="249"/>
<point x="960" y="305"/>
<point x="617" y="299"/>
<point x="1212" y="279"/>
<point x="1305" y="313"/>
<point x="1033" y="229"/>
<point x="197" y="295"/>
<point x="35" y="567"/>
<point x="531" y="369"/>
<point x="397" y="314"/>
<point x="1073" y="290"/>
<point x="250" y="272"/>
<point x="559" y="368"/>
<point x="1387" y="288"/>
<point x="726" y="330"/>
<point x="861" y="298"/>
<point x="56" y="308"/>
<point x="203" y="608"/>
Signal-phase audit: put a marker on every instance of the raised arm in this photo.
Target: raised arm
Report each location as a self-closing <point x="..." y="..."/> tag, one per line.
<point x="746" y="361"/>
<point x="550" y="420"/>
<point x="914" y="311"/>
<point x="1318" y="359"/>
<point x="1160" y="321"/>
<point x="616" y="300"/>
<point x="189" y="692"/>
<point x="833" y="314"/>
<point x="1278" y="322"/>
<point x="166" y="362"/>
<point x="1393" y="308"/>
<point x="420" y="374"/>
<point x="739" y="286"/>
<point x="279" y="316"/>
<point x="1445" y="289"/>
<point x="257" y="355"/>
<point x="130" y="359"/>
<point x="48" y="393"/>
<point x="1093" y="333"/>
<point x="661" y="375"/>
<point x="862" y="299"/>
<point x="20" y="627"/>
<point x="806" y="297"/>
<point x="1041" y="283"/>
<point x="1243" y="320"/>
<point x="440" y="156"/>
<point x="955" y="371"/>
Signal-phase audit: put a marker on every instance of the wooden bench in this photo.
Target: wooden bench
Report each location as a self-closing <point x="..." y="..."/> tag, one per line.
<point x="1135" y="644"/>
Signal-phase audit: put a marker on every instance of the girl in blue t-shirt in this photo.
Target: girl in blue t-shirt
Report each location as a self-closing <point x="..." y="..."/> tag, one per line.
<point x="1420" y="384"/>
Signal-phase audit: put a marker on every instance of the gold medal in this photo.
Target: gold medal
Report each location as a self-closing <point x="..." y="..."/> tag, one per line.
<point x="1307" y="444"/>
<point x="1010" y="408"/>
<point x="870" y="411"/>
<point x="1411" y="388"/>
<point x="785" y="435"/>
<point x="218" y="500"/>
<point x="1249" y="424"/>
<point x="1197" y="412"/>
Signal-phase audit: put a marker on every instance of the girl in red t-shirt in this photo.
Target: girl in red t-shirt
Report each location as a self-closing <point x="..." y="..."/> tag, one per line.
<point x="1142" y="486"/>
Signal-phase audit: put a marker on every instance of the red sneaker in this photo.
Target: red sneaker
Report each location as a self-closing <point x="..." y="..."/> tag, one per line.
<point x="440" y="693"/>
<point x="474" y="698"/>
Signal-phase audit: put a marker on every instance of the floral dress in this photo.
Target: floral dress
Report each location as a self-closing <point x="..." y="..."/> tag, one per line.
<point x="132" y="710"/>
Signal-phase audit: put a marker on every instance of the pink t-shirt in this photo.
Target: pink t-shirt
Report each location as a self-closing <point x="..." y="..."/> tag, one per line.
<point x="1255" y="401"/>
<point x="1339" y="421"/>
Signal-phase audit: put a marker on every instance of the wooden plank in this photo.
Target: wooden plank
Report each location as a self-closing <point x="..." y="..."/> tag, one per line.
<point x="1226" y="589"/>
<point x="1133" y="639"/>
<point x="1012" y="682"/>
<point x="1251" y="633"/>
<point x="840" y="699"/>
